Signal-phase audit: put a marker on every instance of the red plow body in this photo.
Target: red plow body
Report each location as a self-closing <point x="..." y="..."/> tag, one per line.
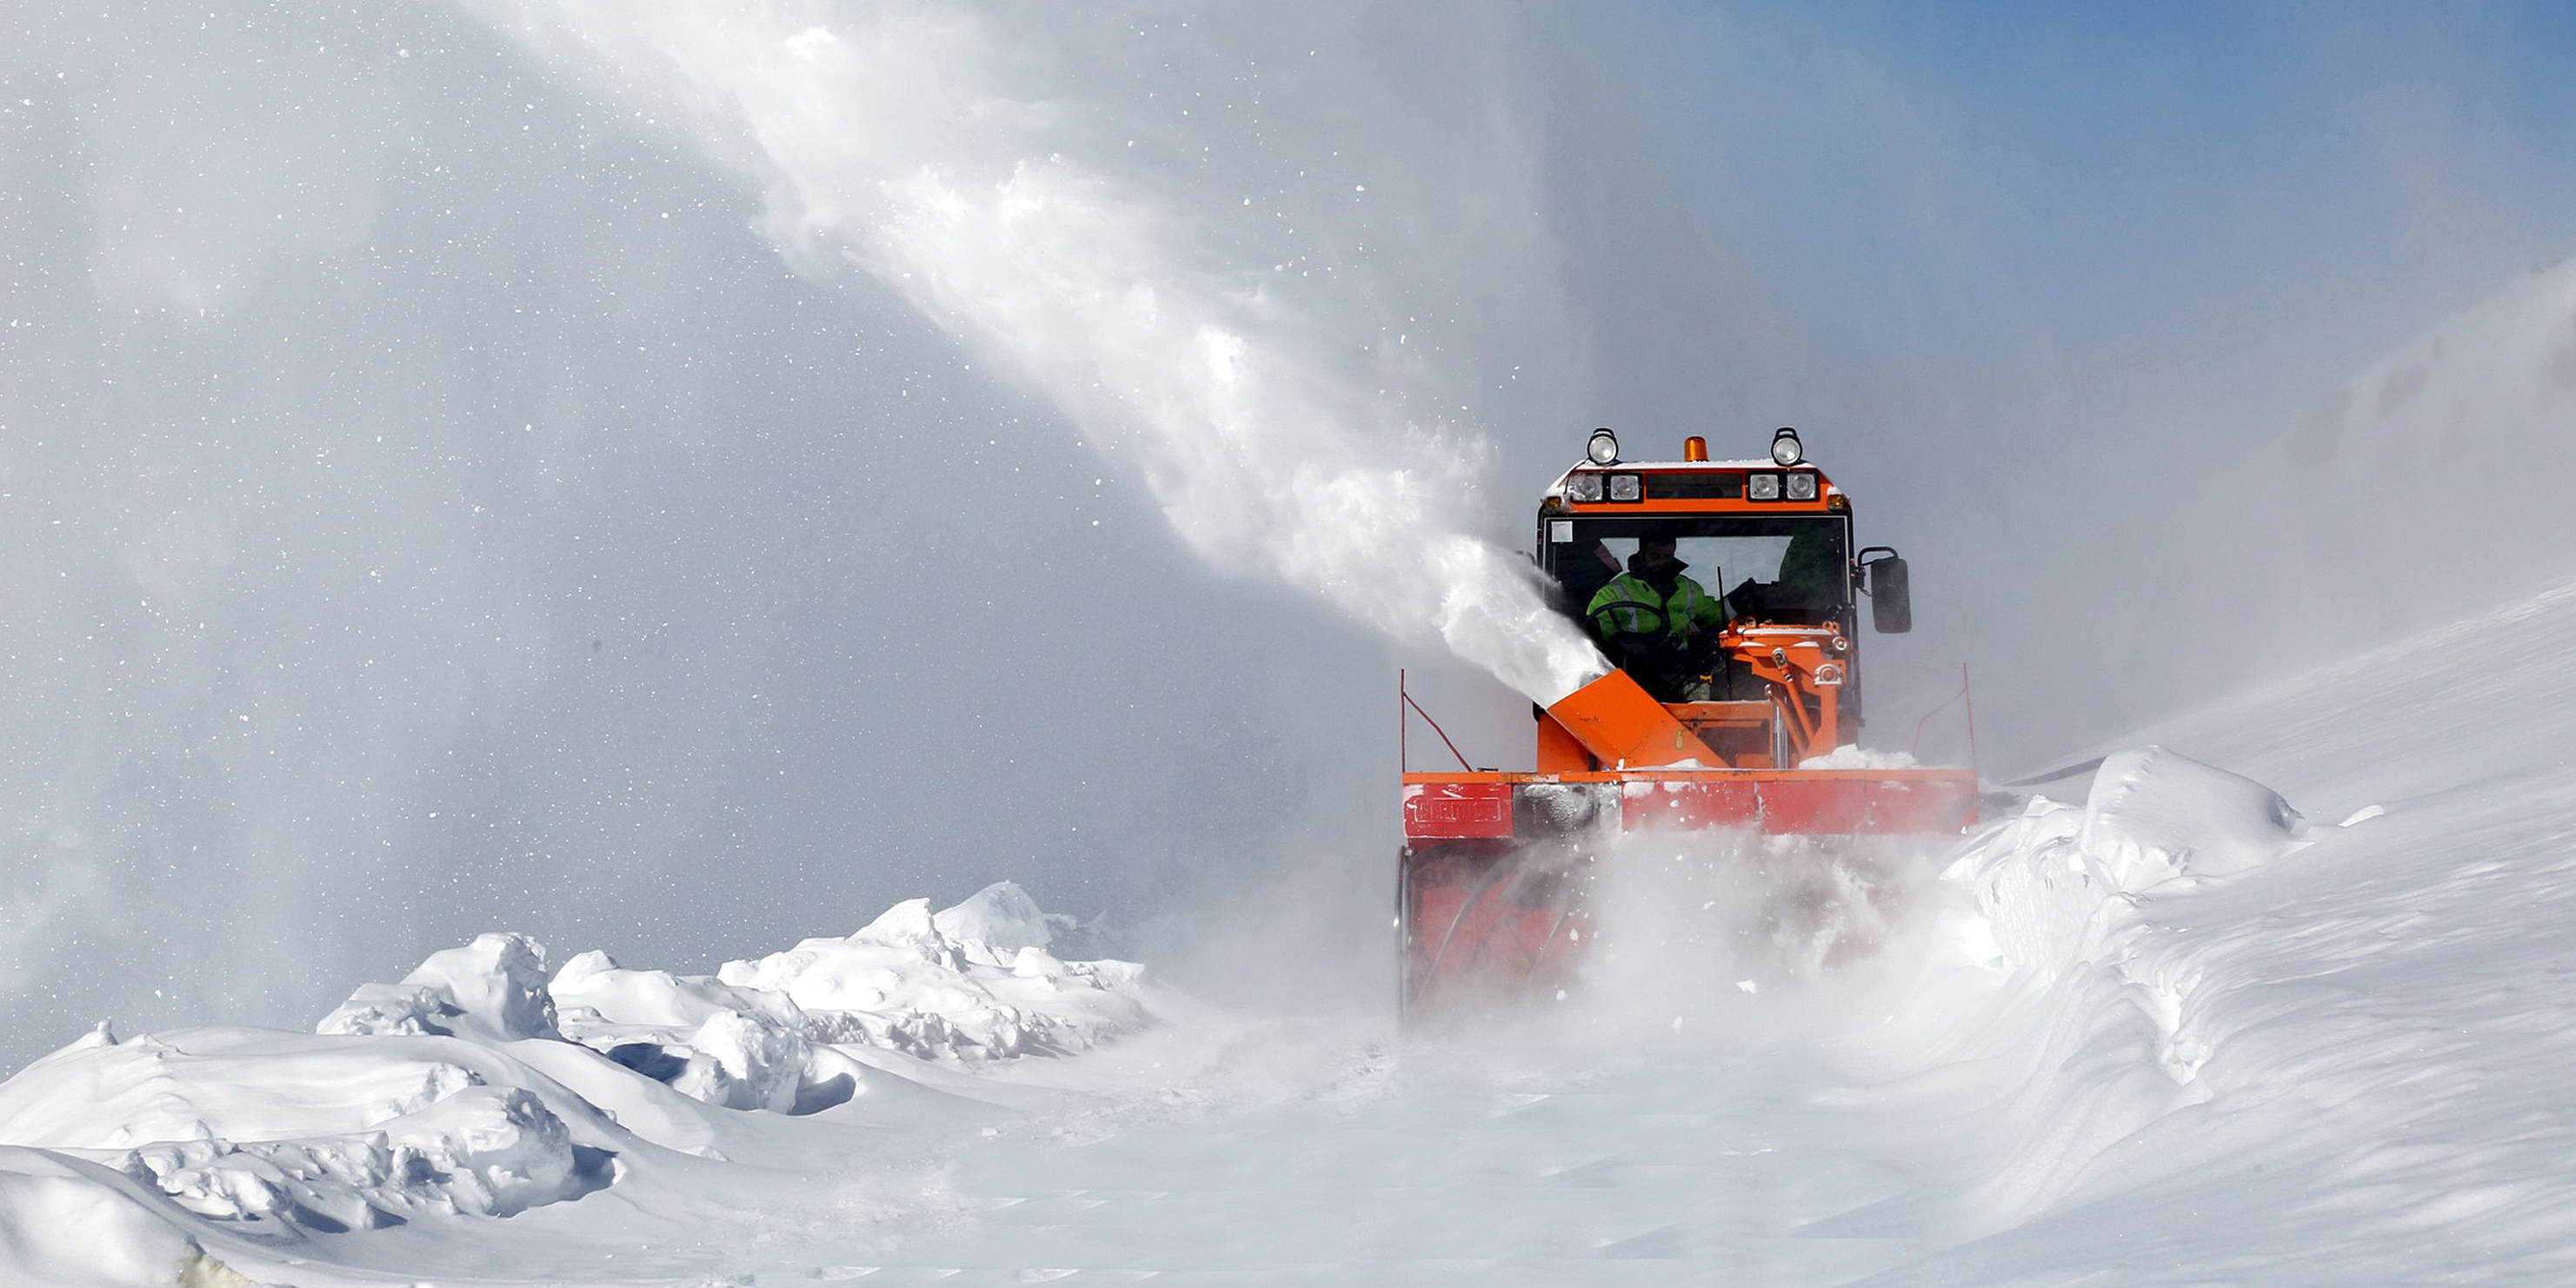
<point x="1496" y="866"/>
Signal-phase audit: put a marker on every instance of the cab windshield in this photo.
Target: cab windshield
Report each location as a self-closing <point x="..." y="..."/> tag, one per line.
<point x="1777" y="568"/>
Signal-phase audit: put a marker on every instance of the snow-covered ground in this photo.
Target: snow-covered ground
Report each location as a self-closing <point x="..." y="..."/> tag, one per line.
<point x="2276" y="999"/>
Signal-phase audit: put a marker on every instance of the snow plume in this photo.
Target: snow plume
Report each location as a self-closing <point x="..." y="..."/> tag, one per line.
<point x="2468" y="423"/>
<point x="918" y="143"/>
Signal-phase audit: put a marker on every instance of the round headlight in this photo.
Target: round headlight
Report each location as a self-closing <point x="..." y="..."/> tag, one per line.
<point x="1785" y="450"/>
<point x="1603" y="449"/>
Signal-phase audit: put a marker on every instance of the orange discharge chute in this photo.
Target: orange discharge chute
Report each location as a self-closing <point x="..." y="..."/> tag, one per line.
<point x="1623" y="727"/>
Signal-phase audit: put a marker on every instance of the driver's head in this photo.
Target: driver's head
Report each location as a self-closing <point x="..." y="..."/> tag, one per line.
<point x="1657" y="552"/>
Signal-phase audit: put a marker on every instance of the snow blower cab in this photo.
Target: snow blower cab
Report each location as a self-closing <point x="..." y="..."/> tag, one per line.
<point x="1727" y="594"/>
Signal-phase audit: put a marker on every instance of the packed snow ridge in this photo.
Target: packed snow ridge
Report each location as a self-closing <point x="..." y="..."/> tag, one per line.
<point x="489" y="1082"/>
<point x="974" y="982"/>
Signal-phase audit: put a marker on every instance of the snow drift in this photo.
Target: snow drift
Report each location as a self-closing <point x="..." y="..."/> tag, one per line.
<point x="72" y="1222"/>
<point x="2060" y="885"/>
<point x="486" y="1084"/>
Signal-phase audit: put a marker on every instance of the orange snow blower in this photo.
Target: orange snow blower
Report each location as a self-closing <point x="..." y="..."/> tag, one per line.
<point x="1725" y="594"/>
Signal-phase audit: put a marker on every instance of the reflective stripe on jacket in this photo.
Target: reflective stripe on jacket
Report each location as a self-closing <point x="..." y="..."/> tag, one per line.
<point x="1629" y="605"/>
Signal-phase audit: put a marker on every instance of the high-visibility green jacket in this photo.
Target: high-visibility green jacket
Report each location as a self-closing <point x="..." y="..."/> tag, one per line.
<point x="1629" y="604"/>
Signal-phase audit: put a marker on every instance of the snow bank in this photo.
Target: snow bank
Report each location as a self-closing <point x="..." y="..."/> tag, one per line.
<point x="906" y="984"/>
<point x="1003" y="916"/>
<point x="736" y="1048"/>
<point x="1000" y="916"/>
<point x="493" y="988"/>
<point x="2154" y="816"/>
<point x="973" y="982"/>
<point x="71" y="1222"/>
<point x="2062" y="897"/>
<point x="478" y="1085"/>
<point x="2268" y="1049"/>
<point x="315" y="1132"/>
<point x="2051" y="884"/>
<point x="2086" y="1027"/>
<point x="970" y="983"/>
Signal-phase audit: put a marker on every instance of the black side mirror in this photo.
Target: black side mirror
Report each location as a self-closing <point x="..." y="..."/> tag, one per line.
<point x="1891" y="610"/>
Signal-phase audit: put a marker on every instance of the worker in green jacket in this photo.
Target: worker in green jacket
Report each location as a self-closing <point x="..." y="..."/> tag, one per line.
<point x="1661" y="624"/>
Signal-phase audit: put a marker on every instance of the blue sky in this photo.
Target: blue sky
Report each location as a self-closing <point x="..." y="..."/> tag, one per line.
<point x="2079" y="164"/>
